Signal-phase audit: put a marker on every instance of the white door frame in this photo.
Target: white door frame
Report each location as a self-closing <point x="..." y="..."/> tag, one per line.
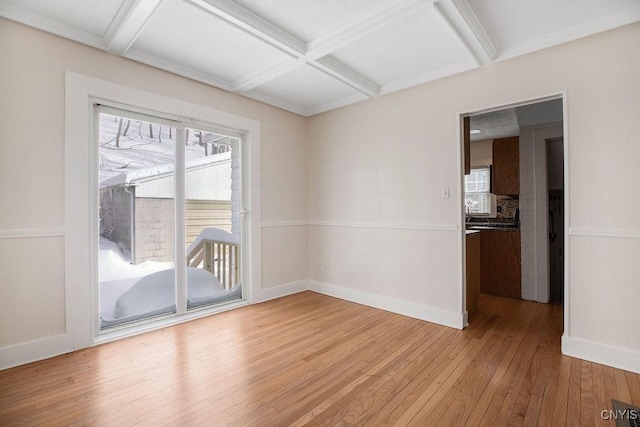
<point x="461" y="218"/>
<point x="81" y="198"/>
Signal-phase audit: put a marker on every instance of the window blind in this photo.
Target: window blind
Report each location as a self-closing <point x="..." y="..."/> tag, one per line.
<point x="477" y="196"/>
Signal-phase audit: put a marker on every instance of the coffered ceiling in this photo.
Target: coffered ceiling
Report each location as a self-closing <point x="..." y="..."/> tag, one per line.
<point x="311" y="56"/>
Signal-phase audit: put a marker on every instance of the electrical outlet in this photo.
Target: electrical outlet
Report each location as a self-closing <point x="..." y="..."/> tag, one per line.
<point x="446" y="192"/>
<point x="325" y="268"/>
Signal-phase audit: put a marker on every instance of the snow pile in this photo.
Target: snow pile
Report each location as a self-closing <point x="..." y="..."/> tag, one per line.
<point x="114" y="266"/>
<point x="213" y="234"/>
<point x="135" y="292"/>
<point x="117" y="275"/>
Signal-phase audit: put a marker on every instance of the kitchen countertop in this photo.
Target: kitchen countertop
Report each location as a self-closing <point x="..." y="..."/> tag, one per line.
<point x="490" y="228"/>
<point x="493" y="225"/>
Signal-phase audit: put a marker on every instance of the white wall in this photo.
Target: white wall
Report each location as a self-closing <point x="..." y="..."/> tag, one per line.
<point x="354" y="178"/>
<point x="32" y="105"/>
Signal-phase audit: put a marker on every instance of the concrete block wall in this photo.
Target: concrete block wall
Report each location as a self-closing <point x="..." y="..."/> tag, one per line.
<point x="154" y="230"/>
<point x="115" y="216"/>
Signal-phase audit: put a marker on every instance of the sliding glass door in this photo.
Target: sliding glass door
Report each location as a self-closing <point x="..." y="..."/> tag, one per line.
<point x="169" y="198"/>
<point x="212" y="239"/>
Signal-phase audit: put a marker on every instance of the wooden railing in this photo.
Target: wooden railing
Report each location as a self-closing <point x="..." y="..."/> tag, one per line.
<point x="220" y="257"/>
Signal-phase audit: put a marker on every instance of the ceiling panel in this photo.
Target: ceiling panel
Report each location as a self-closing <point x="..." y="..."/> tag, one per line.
<point x="309" y="19"/>
<point x="418" y="44"/>
<point x="510" y="23"/>
<point x="185" y="35"/>
<point x="496" y="124"/>
<point x="90" y="16"/>
<point x="306" y="88"/>
<point x="377" y="46"/>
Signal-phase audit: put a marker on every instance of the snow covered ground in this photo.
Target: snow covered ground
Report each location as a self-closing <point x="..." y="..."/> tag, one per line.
<point x="117" y="275"/>
<point x="133" y="292"/>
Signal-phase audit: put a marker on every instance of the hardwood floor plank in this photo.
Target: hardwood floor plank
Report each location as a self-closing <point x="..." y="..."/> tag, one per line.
<point x="599" y="394"/>
<point x="633" y="382"/>
<point x="609" y="379"/>
<point x="545" y="416"/>
<point x="500" y="375"/>
<point x="312" y="359"/>
<point x="573" y="402"/>
<point x="622" y="386"/>
<point x="526" y="390"/>
<point x="562" y="393"/>
<point x="586" y="395"/>
<point x="492" y="411"/>
<point x="518" y="370"/>
<point x="533" y="411"/>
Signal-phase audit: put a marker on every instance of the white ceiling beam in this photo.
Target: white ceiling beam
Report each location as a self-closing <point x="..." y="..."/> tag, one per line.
<point x="327" y="65"/>
<point x="130" y="20"/>
<point x="363" y="25"/>
<point x="461" y="18"/>
<point x="268" y="72"/>
<point x="346" y="75"/>
<point x="251" y="23"/>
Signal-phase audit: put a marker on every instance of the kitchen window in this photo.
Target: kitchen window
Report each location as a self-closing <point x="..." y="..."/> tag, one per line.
<point x="478" y="200"/>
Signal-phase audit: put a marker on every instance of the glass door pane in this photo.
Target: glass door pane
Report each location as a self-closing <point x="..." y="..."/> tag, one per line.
<point x="137" y="241"/>
<point x="212" y="193"/>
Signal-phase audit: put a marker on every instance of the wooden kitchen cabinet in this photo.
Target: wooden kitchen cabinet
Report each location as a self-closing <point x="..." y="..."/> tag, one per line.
<point x="506" y="166"/>
<point x="473" y="272"/>
<point x="500" y="269"/>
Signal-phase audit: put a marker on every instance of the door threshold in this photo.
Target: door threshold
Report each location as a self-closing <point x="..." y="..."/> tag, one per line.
<point x="163" y="322"/>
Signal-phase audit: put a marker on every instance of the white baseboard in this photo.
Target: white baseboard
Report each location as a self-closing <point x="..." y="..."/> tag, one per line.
<point x="406" y="308"/>
<point x="21" y="354"/>
<point x="281" y="291"/>
<point x="620" y="358"/>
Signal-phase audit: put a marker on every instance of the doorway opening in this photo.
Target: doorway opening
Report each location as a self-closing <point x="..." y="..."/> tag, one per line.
<point x="519" y="217"/>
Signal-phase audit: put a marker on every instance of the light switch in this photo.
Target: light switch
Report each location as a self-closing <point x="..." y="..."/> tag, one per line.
<point x="446" y="193"/>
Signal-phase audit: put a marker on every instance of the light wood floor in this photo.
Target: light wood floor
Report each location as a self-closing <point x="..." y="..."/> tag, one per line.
<point x="309" y="358"/>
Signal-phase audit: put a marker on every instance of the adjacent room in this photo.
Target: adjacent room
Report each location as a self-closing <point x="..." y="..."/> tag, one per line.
<point x="232" y="212"/>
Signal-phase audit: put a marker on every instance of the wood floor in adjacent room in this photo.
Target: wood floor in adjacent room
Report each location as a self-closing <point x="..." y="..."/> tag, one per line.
<point x="312" y="359"/>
